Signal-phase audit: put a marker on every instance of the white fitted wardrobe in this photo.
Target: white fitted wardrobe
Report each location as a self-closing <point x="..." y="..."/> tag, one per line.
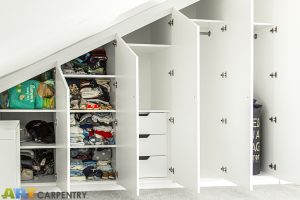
<point x="182" y="90"/>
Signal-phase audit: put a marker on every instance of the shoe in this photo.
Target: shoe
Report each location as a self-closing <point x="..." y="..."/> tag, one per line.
<point x="111" y="176"/>
<point x="105" y="175"/>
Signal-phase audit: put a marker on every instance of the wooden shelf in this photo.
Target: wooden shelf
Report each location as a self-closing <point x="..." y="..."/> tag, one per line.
<point x="154" y="111"/>
<point x="28" y="110"/>
<point x="34" y="145"/>
<point x="107" y="185"/>
<point x="93" y="111"/>
<point x="91" y="146"/>
<point x="148" y="48"/>
<point x="49" y="180"/>
<point x="259" y="25"/>
<point x="89" y="76"/>
<point x="207" y="23"/>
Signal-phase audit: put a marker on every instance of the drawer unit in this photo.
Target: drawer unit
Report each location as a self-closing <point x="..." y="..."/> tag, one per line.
<point x="153" y="166"/>
<point x="153" y="123"/>
<point x="153" y="145"/>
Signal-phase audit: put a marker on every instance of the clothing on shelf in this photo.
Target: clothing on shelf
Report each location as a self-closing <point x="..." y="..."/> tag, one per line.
<point x="93" y="62"/>
<point x="91" y="94"/>
<point x="92" y="129"/>
<point x="91" y="164"/>
<point x="40" y="131"/>
<point x="36" y="163"/>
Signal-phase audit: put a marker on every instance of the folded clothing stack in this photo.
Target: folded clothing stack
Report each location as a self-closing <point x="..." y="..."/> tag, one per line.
<point x="92" y="129"/>
<point x="35" y="163"/>
<point x="90" y="94"/>
<point x="93" y="62"/>
<point x="91" y="164"/>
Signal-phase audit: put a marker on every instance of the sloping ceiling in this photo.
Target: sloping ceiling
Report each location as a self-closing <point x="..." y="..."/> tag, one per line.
<point x="34" y="29"/>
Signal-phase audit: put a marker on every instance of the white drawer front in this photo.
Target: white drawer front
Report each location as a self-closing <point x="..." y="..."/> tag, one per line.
<point x="153" y="123"/>
<point x="153" y="145"/>
<point x="153" y="167"/>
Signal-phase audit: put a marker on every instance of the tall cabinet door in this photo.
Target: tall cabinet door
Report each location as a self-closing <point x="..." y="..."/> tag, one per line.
<point x="185" y="132"/>
<point x="287" y="90"/>
<point x="238" y="99"/>
<point x="127" y="116"/>
<point x="62" y="130"/>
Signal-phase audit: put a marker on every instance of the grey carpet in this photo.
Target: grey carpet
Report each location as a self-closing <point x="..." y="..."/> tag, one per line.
<point x="272" y="192"/>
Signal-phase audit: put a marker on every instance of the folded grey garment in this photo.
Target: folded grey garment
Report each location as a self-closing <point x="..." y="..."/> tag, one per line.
<point x="76" y="129"/>
<point x="97" y="101"/>
<point x="103" y="128"/>
<point x="84" y="118"/>
<point x="28" y="153"/>
<point x="26" y="174"/>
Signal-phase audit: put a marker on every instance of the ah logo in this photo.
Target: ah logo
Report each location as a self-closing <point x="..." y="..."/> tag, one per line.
<point x="18" y="193"/>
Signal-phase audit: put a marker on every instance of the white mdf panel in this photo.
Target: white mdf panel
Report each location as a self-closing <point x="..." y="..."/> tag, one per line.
<point x="153" y="145"/>
<point x="153" y="123"/>
<point x="287" y="93"/>
<point x="160" y="80"/>
<point x="264" y="92"/>
<point x="158" y="183"/>
<point x="264" y="10"/>
<point x="153" y="167"/>
<point x="62" y="130"/>
<point x="185" y="102"/>
<point x="238" y="86"/>
<point x="127" y="105"/>
<point x="148" y="48"/>
<point x="211" y="102"/>
<point x="10" y="142"/>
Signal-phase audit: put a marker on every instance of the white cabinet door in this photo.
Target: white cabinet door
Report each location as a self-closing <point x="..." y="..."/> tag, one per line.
<point x="127" y="116"/>
<point x="287" y="92"/>
<point x="62" y="131"/>
<point x="185" y="132"/>
<point x="10" y="154"/>
<point x="238" y="99"/>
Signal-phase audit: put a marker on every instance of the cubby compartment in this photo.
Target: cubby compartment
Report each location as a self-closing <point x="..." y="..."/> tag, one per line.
<point x="93" y="169"/>
<point x="37" y="93"/>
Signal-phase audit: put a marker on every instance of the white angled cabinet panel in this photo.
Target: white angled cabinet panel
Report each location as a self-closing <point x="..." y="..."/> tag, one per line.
<point x="153" y="166"/>
<point x="185" y="132"/>
<point x="10" y="142"/>
<point x="62" y="130"/>
<point x="151" y="145"/>
<point x="287" y="92"/>
<point x="127" y="115"/>
<point x="153" y="123"/>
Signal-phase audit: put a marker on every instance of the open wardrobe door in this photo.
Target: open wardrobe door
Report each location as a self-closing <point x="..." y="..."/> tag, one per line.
<point x="287" y="93"/>
<point x="237" y="101"/>
<point x="127" y="116"/>
<point x="185" y="131"/>
<point x="62" y="129"/>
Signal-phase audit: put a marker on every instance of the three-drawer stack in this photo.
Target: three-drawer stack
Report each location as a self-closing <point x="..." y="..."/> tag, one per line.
<point x="153" y="145"/>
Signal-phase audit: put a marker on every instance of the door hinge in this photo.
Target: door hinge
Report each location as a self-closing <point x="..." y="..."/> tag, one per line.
<point x="55" y="122"/>
<point x="274" y="30"/>
<point x="224" y="28"/>
<point x="255" y="36"/>
<point x="115" y="84"/>
<point x="171" y="72"/>
<point x="172" y="120"/>
<point x="115" y="43"/>
<point x="171" y="22"/>
<point x="224" y="169"/>
<point x="116" y="122"/>
<point x="274" y="75"/>
<point x="116" y="174"/>
<point x="273" y="166"/>
<point x="224" y="75"/>
<point x="273" y="119"/>
<point x="172" y="170"/>
<point x="224" y="120"/>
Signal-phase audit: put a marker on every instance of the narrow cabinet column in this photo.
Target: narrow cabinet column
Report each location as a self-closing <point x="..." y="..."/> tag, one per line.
<point x="185" y="138"/>
<point x="287" y="92"/>
<point x="127" y="105"/>
<point x="62" y="130"/>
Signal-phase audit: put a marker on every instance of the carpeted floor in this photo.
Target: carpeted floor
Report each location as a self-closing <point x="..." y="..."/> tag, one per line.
<point x="272" y="192"/>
